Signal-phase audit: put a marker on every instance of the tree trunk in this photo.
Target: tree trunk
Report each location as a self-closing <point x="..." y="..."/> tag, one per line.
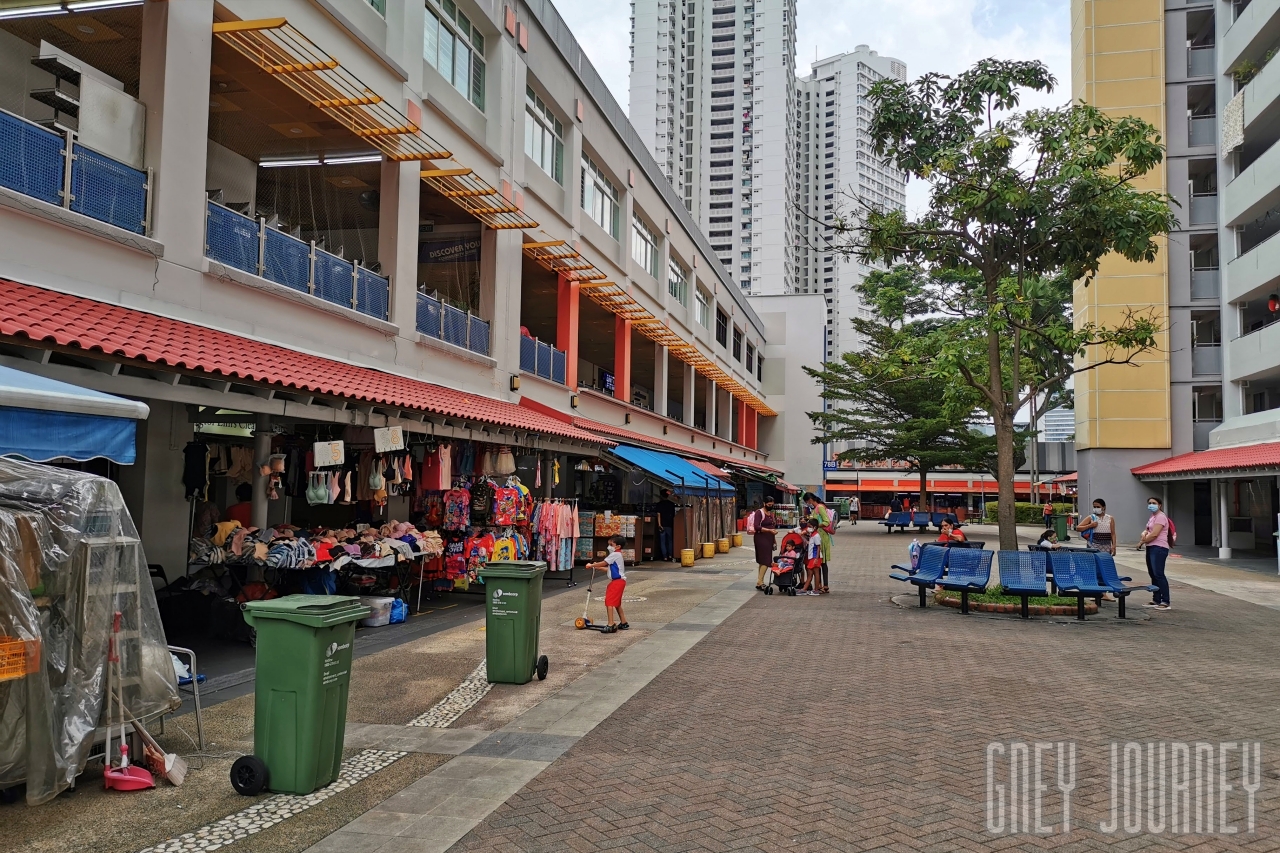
<point x="924" y="490"/>
<point x="1007" y="513"/>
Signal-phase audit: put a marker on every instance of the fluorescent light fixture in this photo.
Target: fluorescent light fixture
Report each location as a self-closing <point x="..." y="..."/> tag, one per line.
<point x="275" y="164"/>
<point x="33" y="11"/>
<point x="352" y="158"/>
<point x="86" y="5"/>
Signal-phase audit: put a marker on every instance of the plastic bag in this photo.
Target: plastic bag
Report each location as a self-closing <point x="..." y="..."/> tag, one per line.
<point x="399" y="611"/>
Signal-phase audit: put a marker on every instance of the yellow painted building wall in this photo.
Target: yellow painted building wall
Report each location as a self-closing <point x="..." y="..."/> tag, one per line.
<point x="1117" y="64"/>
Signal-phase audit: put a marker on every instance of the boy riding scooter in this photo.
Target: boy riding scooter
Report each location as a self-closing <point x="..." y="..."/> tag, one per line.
<point x="617" y="584"/>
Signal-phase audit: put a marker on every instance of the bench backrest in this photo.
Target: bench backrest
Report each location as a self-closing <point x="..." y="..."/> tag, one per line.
<point x="920" y="518"/>
<point x="1107" y="569"/>
<point x="933" y="562"/>
<point x="898" y="518"/>
<point x="1086" y="564"/>
<point x="969" y="566"/>
<point x="1064" y="570"/>
<point x="1075" y="569"/>
<point x="1023" y="569"/>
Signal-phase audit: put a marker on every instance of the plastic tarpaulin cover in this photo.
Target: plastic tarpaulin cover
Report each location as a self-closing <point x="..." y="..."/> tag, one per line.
<point x="70" y="558"/>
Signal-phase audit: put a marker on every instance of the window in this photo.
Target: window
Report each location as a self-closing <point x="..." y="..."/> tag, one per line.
<point x="737" y="344"/>
<point x="751" y="358"/>
<point x="543" y="136"/>
<point x="599" y="197"/>
<point x="644" y="246"/>
<point x="702" y="307"/>
<point x="677" y="281"/>
<point x="722" y="328"/>
<point x="455" y="49"/>
<point x="760" y="368"/>
<point x="379" y="6"/>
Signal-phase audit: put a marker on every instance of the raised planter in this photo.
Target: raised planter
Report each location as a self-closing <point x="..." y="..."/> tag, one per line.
<point x="1015" y="609"/>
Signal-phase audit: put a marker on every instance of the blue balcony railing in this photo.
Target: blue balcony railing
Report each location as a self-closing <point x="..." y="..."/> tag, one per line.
<point x="240" y="242"/>
<point x="452" y="325"/>
<point x="54" y="168"/>
<point x="541" y="359"/>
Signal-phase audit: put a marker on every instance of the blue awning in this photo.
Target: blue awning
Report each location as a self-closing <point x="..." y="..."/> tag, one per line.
<point x="684" y="478"/>
<point x="43" y="420"/>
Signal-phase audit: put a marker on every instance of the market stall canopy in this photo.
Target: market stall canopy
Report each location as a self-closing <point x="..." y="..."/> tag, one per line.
<point x="667" y="468"/>
<point x="43" y="419"/>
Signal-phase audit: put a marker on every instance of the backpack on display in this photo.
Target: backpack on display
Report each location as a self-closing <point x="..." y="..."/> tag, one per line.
<point x="1173" y="533"/>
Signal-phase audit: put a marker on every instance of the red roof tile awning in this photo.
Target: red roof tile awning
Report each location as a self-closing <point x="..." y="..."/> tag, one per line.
<point x="683" y="450"/>
<point x="46" y="316"/>
<point x="1251" y="459"/>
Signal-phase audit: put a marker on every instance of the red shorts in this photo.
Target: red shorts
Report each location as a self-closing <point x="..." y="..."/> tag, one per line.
<point x="613" y="593"/>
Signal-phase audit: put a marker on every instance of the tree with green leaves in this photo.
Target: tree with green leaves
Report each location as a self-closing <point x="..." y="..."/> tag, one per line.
<point x="882" y="397"/>
<point x="1023" y="205"/>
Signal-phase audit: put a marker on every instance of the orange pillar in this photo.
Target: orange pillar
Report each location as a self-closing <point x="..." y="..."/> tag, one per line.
<point x="567" y="328"/>
<point x="740" y="431"/>
<point x="622" y="359"/>
<point x="753" y="425"/>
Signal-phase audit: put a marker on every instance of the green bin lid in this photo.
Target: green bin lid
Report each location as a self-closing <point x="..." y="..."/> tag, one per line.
<point x="513" y="569"/>
<point x="316" y="611"/>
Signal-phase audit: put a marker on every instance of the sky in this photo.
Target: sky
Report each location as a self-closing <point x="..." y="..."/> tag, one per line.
<point x="929" y="35"/>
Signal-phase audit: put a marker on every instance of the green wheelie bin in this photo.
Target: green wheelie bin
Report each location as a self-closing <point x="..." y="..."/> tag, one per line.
<point x="300" y="700"/>
<point x="1061" y="527"/>
<point x="513" y="612"/>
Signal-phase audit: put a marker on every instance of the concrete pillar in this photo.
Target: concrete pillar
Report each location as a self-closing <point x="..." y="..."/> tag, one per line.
<point x="546" y="462"/>
<point x="622" y="359"/>
<point x="152" y="487"/>
<point x="177" y="40"/>
<point x="1224" y="524"/>
<point x="711" y="407"/>
<point x="399" y="193"/>
<point x="261" y="453"/>
<point x="500" y="273"/>
<point x="567" y="328"/>
<point x="690" y="387"/>
<point x="660" y="378"/>
<point x="740" y="421"/>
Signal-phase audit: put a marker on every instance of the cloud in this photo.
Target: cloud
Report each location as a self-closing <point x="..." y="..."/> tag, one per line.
<point x="946" y="36"/>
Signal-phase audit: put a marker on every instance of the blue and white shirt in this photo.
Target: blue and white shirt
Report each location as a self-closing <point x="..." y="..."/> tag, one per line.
<point x="617" y="566"/>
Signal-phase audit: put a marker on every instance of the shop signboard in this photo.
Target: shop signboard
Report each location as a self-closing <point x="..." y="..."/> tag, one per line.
<point x="388" y="439"/>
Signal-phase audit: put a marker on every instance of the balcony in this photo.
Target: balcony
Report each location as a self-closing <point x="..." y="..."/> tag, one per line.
<point x="1205" y="284"/>
<point x="541" y="359"/>
<point x="1202" y="131"/>
<point x="1200" y="433"/>
<point x="452" y="325"/>
<point x="1254" y="27"/>
<point x="1204" y="209"/>
<point x="55" y="168"/>
<point x="1206" y="360"/>
<point x="1254" y="191"/>
<point x="243" y="244"/>
<point x="1201" y="61"/>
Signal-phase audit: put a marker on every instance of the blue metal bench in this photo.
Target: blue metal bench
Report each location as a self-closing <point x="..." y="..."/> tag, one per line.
<point x="900" y="520"/>
<point x="1024" y="574"/>
<point x="933" y="562"/>
<point x="968" y="571"/>
<point x="920" y="520"/>
<point x="1114" y="581"/>
<point x="1076" y="573"/>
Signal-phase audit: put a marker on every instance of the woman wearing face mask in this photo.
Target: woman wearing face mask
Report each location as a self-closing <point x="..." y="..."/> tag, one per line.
<point x="1156" y="538"/>
<point x="1101" y="526"/>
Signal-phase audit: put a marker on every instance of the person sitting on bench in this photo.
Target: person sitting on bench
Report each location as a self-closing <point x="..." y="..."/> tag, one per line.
<point x="951" y="534"/>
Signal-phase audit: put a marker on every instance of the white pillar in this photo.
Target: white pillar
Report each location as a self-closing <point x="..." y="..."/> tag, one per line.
<point x="1224" y="525"/>
<point x="261" y="454"/>
<point x="690" y="386"/>
<point x="177" y="43"/>
<point x="711" y="407"/>
<point x="660" y="388"/>
<point x="399" y="193"/>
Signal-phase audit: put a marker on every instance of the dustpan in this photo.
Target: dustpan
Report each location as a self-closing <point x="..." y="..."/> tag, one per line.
<point x="131" y="778"/>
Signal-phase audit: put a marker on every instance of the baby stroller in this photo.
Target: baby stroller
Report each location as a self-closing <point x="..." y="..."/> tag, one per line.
<point x="784" y="574"/>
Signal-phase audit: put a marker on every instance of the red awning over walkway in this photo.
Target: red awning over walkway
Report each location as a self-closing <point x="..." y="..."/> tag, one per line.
<point x="1249" y="460"/>
<point x="46" y="316"/>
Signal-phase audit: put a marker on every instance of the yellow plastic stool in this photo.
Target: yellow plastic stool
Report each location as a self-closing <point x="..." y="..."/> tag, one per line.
<point x="686" y="557"/>
<point x="736" y="539"/>
<point x="722" y="546"/>
<point x="708" y="549"/>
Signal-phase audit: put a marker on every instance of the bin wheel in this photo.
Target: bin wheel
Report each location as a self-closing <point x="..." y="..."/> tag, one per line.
<point x="543" y="666"/>
<point x="579" y="623"/>
<point x="249" y="775"/>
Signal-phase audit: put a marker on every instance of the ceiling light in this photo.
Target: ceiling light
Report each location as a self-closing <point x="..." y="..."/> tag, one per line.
<point x="85" y="5"/>
<point x="86" y="29"/>
<point x="32" y="11"/>
<point x="274" y="164"/>
<point x="353" y="158"/>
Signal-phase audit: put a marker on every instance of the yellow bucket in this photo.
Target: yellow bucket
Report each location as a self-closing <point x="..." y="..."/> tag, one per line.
<point x="708" y="549"/>
<point x="722" y="546"/>
<point x="736" y="539"/>
<point x="686" y="557"/>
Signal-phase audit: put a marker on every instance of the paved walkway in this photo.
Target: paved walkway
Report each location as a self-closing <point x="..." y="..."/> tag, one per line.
<point x="847" y="723"/>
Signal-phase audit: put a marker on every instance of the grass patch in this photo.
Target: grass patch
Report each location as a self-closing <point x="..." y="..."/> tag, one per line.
<point x="995" y="595"/>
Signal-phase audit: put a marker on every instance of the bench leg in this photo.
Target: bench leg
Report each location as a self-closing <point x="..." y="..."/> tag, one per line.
<point x="964" y="601"/>
<point x="1121" y="600"/>
<point x="921" y="588"/>
<point x="1080" y="607"/>
<point x="1026" y="612"/>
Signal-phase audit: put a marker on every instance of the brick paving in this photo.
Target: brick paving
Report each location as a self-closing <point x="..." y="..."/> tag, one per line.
<point x="848" y="723"/>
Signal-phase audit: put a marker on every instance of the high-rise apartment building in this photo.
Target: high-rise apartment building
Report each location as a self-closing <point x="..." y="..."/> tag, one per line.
<point x="837" y="174"/>
<point x="1198" y="419"/>
<point x="713" y="95"/>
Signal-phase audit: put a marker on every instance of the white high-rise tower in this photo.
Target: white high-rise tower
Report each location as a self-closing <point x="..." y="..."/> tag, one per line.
<point x="713" y="95"/>
<point x="836" y="173"/>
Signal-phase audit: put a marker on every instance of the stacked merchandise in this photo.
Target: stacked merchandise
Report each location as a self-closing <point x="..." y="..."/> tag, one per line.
<point x="586" y="548"/>
<point x="609" y="524"/>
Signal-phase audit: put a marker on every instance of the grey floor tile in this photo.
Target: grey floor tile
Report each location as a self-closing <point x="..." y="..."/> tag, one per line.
<point x="350" y="842"/>
<point x="380" y="821"/>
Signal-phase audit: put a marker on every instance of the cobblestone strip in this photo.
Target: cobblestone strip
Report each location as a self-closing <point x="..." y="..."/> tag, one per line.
<point x="267" y="813"/>
<point x="460" y="700"/>
<point x="273" y="810"/>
